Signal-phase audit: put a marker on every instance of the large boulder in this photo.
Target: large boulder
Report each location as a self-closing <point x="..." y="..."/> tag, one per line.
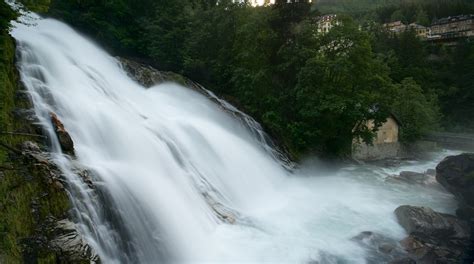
<point x="65" y="140"/>
<point x="423" y="221"/>
<point x="71" y="244"/>
<point x="456" y="174"/>
<point x="433" y="237"/>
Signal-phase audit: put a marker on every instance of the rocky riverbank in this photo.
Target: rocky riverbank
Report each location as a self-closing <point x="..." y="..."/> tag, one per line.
<point x="434" y="237"/>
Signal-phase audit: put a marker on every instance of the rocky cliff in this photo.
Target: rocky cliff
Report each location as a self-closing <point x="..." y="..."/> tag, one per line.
<point x="35" y="224"/>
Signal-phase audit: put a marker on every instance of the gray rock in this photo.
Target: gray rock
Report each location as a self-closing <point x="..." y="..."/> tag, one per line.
<point x="71" y="244"/>
<point x="403" y="261"/>
<point x="456" y="174"/>
<point x="29" y="146"/>
<point x="413" y="177"/>
<point x="147" y="75"/>
<point x="431" y="172"/>
<point x="65" y="140"/>
<point x="86" y="177"/>
<point x="26" y="114"/>
<point x="425" y="221"/>
<point x="433" y="237"/>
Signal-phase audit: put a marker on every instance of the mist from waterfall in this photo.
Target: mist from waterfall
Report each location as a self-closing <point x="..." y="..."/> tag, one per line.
<point x="178" y="179"/>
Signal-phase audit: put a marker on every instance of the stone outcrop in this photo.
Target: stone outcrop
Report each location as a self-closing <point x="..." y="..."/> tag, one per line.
<point x="456" y="174"/>
<point x="433" y="237"/>
<point x="34" y="205"/>
<point x="149" y="76"/>
<point x="380" y="249"/>
<point x="65" y="140"/>
<point x="71" y="244"/>
<point x="61" y="236"/>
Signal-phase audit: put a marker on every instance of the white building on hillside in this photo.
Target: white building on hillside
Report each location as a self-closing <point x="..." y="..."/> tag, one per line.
<point x="265" y="2"/>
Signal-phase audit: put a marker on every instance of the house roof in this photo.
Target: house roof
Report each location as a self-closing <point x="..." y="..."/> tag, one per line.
<point x="395" y="117"/>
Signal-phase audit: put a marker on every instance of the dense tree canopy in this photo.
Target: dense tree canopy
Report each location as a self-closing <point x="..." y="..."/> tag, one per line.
<point x="311" y="91"/>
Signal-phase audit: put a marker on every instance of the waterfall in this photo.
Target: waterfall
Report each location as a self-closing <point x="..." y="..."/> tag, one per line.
<point x="178" y="179"/>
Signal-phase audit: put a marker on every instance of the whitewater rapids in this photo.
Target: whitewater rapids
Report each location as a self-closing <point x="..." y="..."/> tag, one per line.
<point x="163" y="157"/>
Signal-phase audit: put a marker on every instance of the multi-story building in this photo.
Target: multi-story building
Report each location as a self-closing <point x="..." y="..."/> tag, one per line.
<point x="453" y="27"/>
<point x="396" y="27"/>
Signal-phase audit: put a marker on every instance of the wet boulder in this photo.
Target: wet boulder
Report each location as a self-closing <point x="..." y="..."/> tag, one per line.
<point x="433" y="237"/>
<point x="425" y="221"/>
<point x="65" y="140"/>
<point x="412" y="177"/>
<point x="71" y="244"/>
<point x="456" y="174"/>
<point x="421" y="178"/>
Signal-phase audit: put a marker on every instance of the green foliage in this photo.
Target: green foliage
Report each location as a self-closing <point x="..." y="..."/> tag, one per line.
<point x="397" y="15"/>
<point x="422" y="17"/>
<point x="456" y="87"/>
<point x="352" y="7"/>
<point x="164" y="33"/>
<point x="422" y="11"/>
<point x="311" y="92"/>
<point x="340" y="87"/>
<point x="115" y="23"/>
<point x="417" y="111"/>
<point x="6" y="15"/>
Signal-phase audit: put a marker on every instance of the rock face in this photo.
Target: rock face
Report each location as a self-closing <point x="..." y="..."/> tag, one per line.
<point x="433" y="237"/>
<point x="34" y="205"/>
<point x="456" y="174"/>
<point x="61" y="236"/>
<point x="147" y="75"/>
<point x="65" y="140"/>
<point x="70" y="243"/>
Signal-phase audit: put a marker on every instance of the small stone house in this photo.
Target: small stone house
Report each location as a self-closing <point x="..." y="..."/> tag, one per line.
<point x="385" y="143"/>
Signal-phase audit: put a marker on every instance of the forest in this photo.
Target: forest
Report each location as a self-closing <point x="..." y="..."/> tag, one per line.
<point x="310" y="91"/>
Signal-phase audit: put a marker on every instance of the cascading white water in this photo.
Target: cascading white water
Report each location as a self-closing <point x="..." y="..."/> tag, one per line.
<point x="164" y="158"/>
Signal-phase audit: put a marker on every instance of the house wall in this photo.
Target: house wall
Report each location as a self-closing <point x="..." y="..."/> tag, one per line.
<point x="387" y="133"/>
<point x="385" y="144"/>
<point x="376" y="151"/>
